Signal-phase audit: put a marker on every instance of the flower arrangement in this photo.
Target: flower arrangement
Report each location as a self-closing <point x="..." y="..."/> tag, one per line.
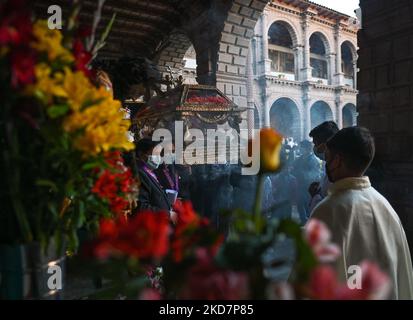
<point x="61" y="138"/>
<point x="208" y="99"/>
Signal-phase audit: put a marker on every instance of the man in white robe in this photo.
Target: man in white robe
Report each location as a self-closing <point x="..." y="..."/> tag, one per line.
<point x="362" y="222"/>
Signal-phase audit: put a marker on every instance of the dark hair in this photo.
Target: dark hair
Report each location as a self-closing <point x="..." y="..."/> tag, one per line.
<point x="145" y="145"/>
<point x="324" y="131"/>
<point x="355" y="145"/>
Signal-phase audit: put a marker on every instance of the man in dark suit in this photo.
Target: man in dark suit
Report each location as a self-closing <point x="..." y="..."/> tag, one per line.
<point x="151" y="194"/>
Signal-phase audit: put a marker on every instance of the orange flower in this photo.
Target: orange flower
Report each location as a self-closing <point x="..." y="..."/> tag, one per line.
<point x="270" y="147"/>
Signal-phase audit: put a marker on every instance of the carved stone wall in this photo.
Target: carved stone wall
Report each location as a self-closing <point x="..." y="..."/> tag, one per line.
<point x="385" y="102"/>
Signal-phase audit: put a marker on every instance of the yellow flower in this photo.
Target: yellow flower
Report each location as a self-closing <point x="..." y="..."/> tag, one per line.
<point x="100" y="126"/>
<point x="47" y="84"/>
<point x="270" y="147"/>
<point x="50" y="41"/>
<point x="78" y="89"/>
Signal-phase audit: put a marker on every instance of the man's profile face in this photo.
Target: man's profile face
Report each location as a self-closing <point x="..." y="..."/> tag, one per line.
<point x="333" y="165"/>
<point x="317" y="142"/>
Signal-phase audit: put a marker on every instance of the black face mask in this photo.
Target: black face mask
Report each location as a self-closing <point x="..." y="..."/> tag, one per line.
<point x="329" y="170"/>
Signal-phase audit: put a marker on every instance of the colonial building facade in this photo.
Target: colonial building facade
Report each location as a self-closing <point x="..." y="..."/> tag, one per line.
<point x="304" y="68"/>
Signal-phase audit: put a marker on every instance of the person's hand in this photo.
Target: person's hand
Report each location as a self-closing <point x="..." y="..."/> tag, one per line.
<point x="314" y="189"/>
<point x="174" y="216"/>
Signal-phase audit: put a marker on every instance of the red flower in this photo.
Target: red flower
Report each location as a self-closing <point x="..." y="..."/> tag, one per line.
<point x="192" y="232"/>
<point x="22" y="66"/>
<point x="150" y="294"/>
<point x="186" y="214"/>
<point x="105" y="186"/>
<point x="205" y="281"/>
<point x="145" y="236"/>
<point x="115" y="184"/>
<point x="15" y="23"/>
<point x="374" y="284"/>
<point x="216" y="100"/>
<point x="82" y="57"/>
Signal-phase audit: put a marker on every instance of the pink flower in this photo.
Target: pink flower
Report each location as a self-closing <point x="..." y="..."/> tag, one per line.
<point x="150" y="294"/>
<point x="374" y="284"/>
<point x="318" y="237"/>
<point x="206" y="281"/>
<point x="324" y="284"/>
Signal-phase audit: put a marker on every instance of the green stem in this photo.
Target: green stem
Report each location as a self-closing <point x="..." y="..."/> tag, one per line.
<point x="13" y="175"/>
<point x="258" y="197"/>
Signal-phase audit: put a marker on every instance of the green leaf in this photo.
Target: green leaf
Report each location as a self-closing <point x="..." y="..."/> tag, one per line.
<point x="57" y="111"/>
<point x="47" y="183"/>
<point x="306" y="260"/>
<point x="81" y="215"/>
<point x="91" y="165"/>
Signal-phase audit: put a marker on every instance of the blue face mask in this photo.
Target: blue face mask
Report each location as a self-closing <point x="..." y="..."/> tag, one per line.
<point x="319" y="154"/>
<point x="153" y="161"/>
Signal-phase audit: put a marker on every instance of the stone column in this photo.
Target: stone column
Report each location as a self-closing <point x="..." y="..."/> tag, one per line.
<point x="339" y="113"/>
<point x="250" y="94"/>
<point x="306" y="70"/>
<point x="306" y="112"/>
<point x="332" y="62"/>
<point x="355" y="70"/>
<point x="298" y="56"/>
<point x="254" y="55"/>
<point x="266" y="114"/>
<point x="266" y="62"/>
<point x="339" y="76"/>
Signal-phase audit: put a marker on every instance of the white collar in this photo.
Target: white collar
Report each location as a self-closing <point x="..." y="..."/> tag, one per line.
<point x="350" y="183"/>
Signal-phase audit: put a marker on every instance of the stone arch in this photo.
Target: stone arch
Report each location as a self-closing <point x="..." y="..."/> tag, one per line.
<point x="285" y="117"/>
<point x="289" y="25"/>
<point x="349" y="113"/>
<point x="348" y="59"/>
<point x="234" y="43"/>
<point x="320" y="112"/>
<point x="320" y="50"/>
<point x="281" y="43"/>
<point x="352" y="46"/>
<point x="324" y="38"/>
<point x="172" y="51"/>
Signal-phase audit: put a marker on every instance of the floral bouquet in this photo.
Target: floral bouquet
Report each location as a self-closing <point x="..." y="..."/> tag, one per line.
<point x="61" y="137"/>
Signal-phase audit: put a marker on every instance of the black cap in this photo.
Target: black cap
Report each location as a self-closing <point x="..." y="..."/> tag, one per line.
<point x="146" y="144"/>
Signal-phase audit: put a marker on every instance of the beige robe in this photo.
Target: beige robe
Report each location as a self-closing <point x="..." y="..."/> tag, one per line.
<point x="365" y="227"/>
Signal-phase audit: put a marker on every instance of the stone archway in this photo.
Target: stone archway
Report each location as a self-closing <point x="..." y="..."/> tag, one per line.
<point x="281" y="41"/>
<point x="349" y="115"/>
<point x="320" y="112"/>
<point x="234" y="43"/>
<point x="348" y="63"/>
<point x="172" y="52"/>
<point x="285" y="118"/>
<point x="320" y="50"/>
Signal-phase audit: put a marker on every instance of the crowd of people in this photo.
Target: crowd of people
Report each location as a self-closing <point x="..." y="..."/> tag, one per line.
<point x="326" y="179"/>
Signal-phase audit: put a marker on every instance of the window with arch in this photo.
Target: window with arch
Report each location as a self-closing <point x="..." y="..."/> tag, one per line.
<point x="347" y="63"/>
<point x="280" y="48"/>
<point x="349" y="115"/>
<point x="319" y="113"/>
<point x="318" y="57"/>
<point x="285" y="118"/>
